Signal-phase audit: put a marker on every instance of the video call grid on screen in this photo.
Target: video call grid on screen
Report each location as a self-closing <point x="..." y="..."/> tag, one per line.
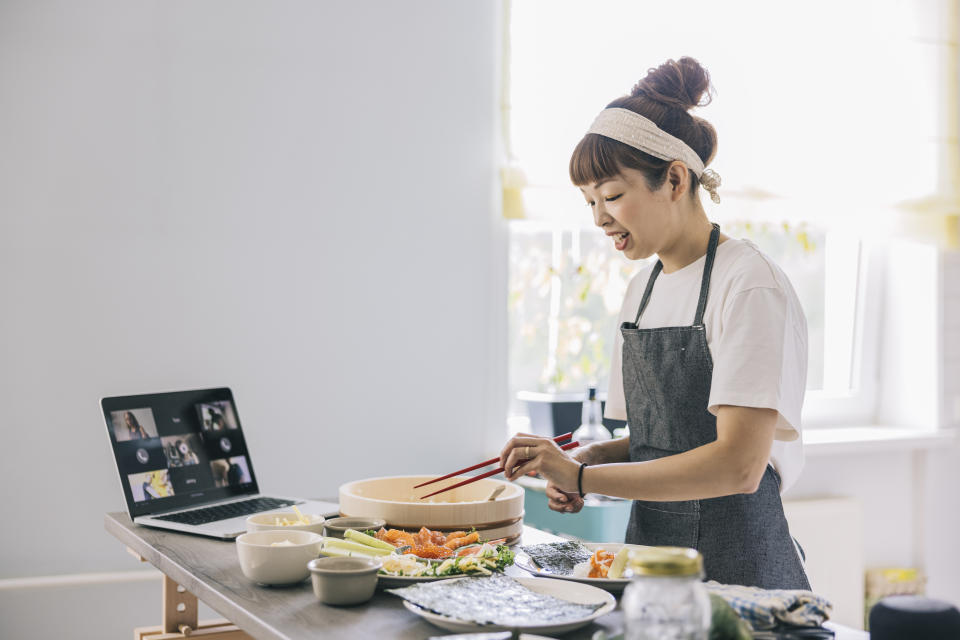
<point x="178" y="449"/>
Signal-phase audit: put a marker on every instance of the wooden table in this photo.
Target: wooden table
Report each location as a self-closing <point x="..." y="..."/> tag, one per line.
<point x="208" y="569"/>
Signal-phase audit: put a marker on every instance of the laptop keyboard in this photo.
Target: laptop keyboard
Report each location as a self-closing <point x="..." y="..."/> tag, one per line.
<point x="226" y="511"/>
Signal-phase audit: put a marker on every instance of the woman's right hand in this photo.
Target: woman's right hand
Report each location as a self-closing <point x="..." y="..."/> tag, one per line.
<point x="571" y="502"/>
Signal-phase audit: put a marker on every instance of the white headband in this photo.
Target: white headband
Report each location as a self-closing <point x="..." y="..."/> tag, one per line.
<point x="641" y="133"/>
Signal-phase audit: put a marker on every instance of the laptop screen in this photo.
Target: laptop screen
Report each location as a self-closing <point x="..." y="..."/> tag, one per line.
<point x="178" y="449"/>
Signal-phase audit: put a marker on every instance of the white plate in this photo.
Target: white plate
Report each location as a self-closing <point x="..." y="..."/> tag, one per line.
<point x="385" y="581"/>
<point x="565" y="590"/>
<point x="392" y="582"/>
<point x="614" y="585"/>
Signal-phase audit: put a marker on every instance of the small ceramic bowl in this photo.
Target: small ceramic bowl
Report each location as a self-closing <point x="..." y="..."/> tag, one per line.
<point x="341" y="581"/>
<point x="268" y="521"/>
<point x="277" y="556"/>
<point x="335" y="527"/>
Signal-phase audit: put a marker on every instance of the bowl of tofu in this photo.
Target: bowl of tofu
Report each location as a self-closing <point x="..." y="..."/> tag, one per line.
<point x="285" y="520"/>
<point x="276" y="556"/>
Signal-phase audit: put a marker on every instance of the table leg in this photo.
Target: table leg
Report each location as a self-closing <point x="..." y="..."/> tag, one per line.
<point x="180" y="618"/>
<point x="179" y="607"/>
<point x="207" y="630"/>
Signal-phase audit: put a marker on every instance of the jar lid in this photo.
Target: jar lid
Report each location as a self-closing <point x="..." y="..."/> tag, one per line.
<point x="666" y="561"/>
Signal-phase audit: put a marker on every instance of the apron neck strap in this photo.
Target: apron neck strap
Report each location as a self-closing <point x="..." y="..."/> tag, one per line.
<point x="707" y="270"/>
<point x="704" y="284"/>
<point x="657" y="268"/>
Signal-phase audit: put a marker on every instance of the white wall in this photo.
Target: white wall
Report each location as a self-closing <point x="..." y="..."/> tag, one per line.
<point x="910" y="510"/>
<point x="294" y="199"/>
<point x="937" y="473"/>
<point x="910" y="499"/>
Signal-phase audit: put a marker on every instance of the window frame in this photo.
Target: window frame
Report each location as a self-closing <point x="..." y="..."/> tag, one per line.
<point x="855" y="404"/>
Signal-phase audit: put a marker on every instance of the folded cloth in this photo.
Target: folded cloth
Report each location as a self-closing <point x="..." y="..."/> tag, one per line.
<point x="765" y="608"/>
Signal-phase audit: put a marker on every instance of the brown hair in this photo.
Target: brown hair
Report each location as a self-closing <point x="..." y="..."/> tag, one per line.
<point x="663" y="96"/>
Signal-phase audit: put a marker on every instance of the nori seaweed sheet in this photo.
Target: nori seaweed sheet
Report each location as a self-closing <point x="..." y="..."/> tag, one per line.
<point x="497" y="599"/>
<point x="558" y="558"/>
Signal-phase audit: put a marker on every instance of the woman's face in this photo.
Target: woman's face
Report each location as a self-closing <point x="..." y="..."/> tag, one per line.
<point x="638" y="221"/>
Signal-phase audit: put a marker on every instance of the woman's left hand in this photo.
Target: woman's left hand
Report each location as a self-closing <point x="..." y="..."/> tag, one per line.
<point x="525" y="453"/>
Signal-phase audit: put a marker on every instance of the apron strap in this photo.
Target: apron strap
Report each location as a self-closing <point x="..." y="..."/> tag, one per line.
<point x="704" y="284"/>
<point x="707" y="270"/>
<point x="657" y="268"/>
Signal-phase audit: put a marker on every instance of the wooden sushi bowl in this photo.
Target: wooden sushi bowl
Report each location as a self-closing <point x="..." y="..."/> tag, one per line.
<point x="394" y="499"/>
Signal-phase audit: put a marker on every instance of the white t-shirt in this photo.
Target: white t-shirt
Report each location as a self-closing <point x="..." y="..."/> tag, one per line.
<point x="756" y="332"/>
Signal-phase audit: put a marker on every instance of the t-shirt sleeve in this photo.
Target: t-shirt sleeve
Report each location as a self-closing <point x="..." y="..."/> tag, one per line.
<point x="616" y="406"/>
<point x="760" y="357"/>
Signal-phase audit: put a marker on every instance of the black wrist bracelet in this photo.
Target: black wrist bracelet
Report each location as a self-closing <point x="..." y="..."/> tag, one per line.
<point x="580" y="479"/>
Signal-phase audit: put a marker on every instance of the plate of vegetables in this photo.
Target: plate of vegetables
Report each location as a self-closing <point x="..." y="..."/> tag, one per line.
<point x="422" y="557"/>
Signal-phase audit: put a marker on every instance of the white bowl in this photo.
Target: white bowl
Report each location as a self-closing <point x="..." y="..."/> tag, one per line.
<point x="265" y="563"/>
<point x="268" y="521"/>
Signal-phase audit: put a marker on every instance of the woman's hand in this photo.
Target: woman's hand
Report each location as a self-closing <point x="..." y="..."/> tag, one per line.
<point x="567" y="501"/>
<point x="563" y="501"/>
<point x="593" y="454"/>
<point x="570" y="501"/>
<point x="525" y="453"/>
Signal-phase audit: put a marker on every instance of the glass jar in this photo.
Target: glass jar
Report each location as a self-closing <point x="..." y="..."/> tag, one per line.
<point x="666" y="599"/>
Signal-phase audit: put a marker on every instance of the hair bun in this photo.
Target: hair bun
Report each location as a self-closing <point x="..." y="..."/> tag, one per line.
<point x="682" y="83"/>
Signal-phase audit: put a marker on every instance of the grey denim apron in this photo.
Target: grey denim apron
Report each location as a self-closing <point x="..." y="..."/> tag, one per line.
<point x="667" y="371"/>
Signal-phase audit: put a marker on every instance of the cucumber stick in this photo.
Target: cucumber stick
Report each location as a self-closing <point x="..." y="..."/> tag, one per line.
<point x="622" y="558"/>
<point x="347" y="545"/>
<point x="619" y="563"/>
<point x="370" y="541"/>
<point x="345" y="553"/>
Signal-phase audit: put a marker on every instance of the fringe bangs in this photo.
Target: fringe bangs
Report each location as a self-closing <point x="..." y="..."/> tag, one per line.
<point x="597" y="158"/>
<point x="594" y="159"/>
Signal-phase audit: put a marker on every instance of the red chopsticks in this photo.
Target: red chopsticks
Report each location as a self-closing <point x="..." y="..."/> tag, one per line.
<point x="558" y="440"/>
<point x="570" y="445"/>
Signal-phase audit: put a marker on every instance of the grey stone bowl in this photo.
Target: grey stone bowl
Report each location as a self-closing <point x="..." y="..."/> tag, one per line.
<point x="344" y="581"/>
<point x="335" y="527"/>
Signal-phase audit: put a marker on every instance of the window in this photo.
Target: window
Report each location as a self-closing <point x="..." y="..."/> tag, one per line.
<point x="828" y="131"/>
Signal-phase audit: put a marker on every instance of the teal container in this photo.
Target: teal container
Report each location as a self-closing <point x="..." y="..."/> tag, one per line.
<point x="600" y="520"/>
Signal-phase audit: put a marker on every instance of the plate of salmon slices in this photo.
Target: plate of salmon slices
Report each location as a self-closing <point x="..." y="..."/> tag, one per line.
<point x="433" y="555"/>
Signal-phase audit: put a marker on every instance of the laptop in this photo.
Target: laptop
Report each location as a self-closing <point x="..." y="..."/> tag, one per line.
<point x="184" y="464"/>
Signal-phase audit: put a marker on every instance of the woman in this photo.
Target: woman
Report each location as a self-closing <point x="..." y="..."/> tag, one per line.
<point x="219" y="469"/>
<point x="135" y="431"/>
<point x="714" y="350"/>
